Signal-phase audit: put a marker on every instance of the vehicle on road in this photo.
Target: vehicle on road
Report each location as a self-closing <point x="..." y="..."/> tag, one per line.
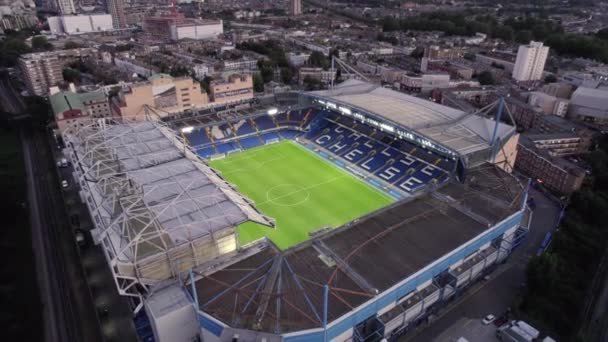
<point x="488" y="319"/>
<point x="80" y="238"/>
<point x="75" y="220"/>
<point x="65" y="184"/>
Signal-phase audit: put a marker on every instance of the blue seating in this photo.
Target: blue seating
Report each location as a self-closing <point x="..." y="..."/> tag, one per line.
<point x="251" y="142"/>
<point x="402" y="166"/>
<point x="197" y="137"/>
<point x="290" y="134"/>
<point x="227" y="147"/>
<point x="245" y="128"/>
<point x="264" y="122"/>
<point x="205" y="152"/>
<point x="270" y="136"/>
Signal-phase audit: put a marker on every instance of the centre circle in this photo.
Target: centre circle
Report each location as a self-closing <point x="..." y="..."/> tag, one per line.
<point x="287" y="195"/>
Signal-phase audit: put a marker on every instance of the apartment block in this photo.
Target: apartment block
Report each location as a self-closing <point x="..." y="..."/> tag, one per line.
<point x="237" y="88"/>
<point x="42" y="70"/>
<point x="72" y="110"/>
<point x="530" y="62"/>
<point x="161" y="95"/>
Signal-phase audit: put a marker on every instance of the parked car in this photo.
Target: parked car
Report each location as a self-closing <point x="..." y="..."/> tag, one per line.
<point x="488" y="319"/>
<point x="75" y="220"/>
<point x="80" y="238"/>
<point x="65" y="184"/>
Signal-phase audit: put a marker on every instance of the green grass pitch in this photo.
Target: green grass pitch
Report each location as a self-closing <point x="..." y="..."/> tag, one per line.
<point x="299" y="189"/>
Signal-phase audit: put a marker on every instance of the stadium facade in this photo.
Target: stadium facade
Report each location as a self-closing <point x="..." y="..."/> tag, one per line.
<point x="166" y="220"/>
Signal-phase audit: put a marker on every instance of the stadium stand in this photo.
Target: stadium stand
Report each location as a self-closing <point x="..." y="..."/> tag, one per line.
<point x="396" y="163"/>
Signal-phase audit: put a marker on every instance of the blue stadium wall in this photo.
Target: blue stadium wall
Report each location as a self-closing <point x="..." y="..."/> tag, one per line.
<point x="213" y="328"/>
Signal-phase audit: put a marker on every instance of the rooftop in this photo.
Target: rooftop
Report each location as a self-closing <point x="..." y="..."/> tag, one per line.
<point x="64" y="101"/>
<point x="149" y="194"/>
<point x="457" y="130"/>
<point x="281" y="292"/>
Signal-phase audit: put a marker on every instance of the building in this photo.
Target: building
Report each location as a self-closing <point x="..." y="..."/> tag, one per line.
<point x="325" y="76"/>
<point x="177" y="254"/>
<point x="295" y="7"/>
<point x="78" y="24"/>
<point x="548" y="104"/>
<point x="18" y="21"/>
<point x="133" y="66"/>
<point x="72" y="110"/>
<point x="539" y="157"/>
<point x="66" y="6"/>
<point x="240" y="64"/>
<point x="42" y="70"/>
<point x="530" y="62"/>
<point x="160" y="96"/>
<point x="237" y="88"/>
<point x="422" y="83"/>
<point x="117" y="11"/>
<point x="297" y="59"/>
<point x="589" y="105"/>
<point x="182" y="28"/>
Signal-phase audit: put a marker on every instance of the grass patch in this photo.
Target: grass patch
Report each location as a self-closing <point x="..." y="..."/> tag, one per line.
<point x="299" y="189"/>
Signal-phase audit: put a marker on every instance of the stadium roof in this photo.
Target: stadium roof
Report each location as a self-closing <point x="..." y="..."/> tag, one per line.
<point x="150" y="195"/>
<point x="459" y="131"/>
<point x="279" y="292"/>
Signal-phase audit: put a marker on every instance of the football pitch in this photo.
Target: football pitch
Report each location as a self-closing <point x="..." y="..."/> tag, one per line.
<point x="297" y="188"/>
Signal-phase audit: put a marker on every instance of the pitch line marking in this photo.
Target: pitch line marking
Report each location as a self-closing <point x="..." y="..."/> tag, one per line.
<point x="302" y="189"/>
<point x="299" y="187"/>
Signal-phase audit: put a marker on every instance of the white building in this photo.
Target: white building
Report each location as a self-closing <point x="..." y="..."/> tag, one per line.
<point x="197" y="30"/>
<point x="77" y="24"/>
<point x="530" y="62"/>
<point x="66" y="6"/>
<point x="549" y="104"/>
<point x="295" y="7"/>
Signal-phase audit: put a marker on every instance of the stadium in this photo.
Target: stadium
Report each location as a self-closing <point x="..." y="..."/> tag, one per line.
<point x="351" y="214"/>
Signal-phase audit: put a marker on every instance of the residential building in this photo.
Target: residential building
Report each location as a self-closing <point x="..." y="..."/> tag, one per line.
<point x="237" y="88"/>
<point x="117" y="10"/>
<point x="72" y="109"/>
<point x="66" y="6"/>
<point x="241" y="64"/>
<point x="295" y="7"/>
<point x="530" y="62"/>
<point x="424" y="82"/>
<point x="183" y="28"/>
<point x="161" y="95"/>
<point x="77" y="24"/>
<point x="18" y="21"/>
<point x="325" y="76"/>
<point x="539" y="157"/>
<point x="42" y="70"/>
<point x="133" y="66"/>
<point x="589" y="105"/>
<point x="297" y="59"/>
<point x="548" y="104"/>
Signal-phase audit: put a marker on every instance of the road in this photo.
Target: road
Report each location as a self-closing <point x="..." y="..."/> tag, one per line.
<point x="61" y="321"/>
<point x="497" y="294"/>
<point x="100" y="286"/>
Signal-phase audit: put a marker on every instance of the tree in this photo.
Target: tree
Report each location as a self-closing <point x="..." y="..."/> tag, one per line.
<point x="418" y="52"/>
<point x="39" y="43"/>
<point x="258" y="83"/>
<point x="206" y="84"/>
<point x="286" y="75"/>
<point x="602" y="34"/>
<point x="311" y="83"/>
<point x="486" y="78"/>
<point x="71" y="75"/>
<point x="317" y="59"/>
<point x="71" y="45"/>
<point x="523" y="36"/>
<point x="550" y="78"/>
<point x="470" y="56"/>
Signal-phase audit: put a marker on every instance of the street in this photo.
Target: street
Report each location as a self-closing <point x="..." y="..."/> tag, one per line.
<point x="495" y="295"/>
